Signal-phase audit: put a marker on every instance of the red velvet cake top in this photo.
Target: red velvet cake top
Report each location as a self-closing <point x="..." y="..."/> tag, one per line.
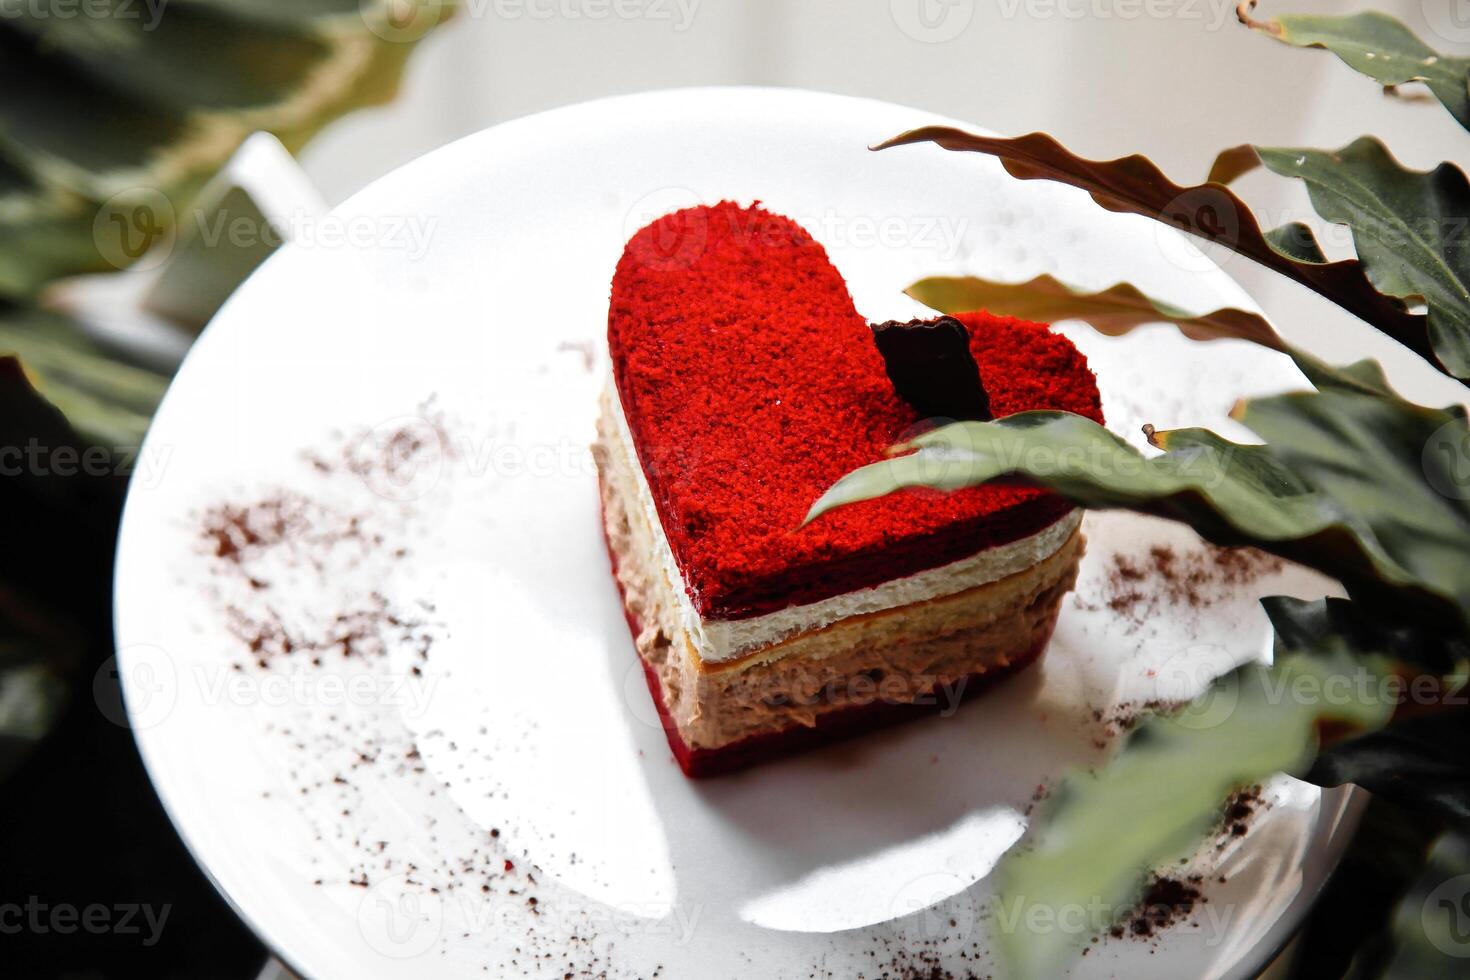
<point x="751" y="384"/>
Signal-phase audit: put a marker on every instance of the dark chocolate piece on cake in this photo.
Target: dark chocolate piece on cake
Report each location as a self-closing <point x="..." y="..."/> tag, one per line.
<point x="931" y="367"/>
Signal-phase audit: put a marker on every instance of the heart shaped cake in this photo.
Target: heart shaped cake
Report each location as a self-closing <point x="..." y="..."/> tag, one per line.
<point x="745" y="384"/>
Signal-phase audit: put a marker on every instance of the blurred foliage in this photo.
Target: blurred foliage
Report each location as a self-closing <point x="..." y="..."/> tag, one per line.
<point x="113" y="115"/>
<point x="1349" y="928"/>
<point x="56" y="522"/>
<point x="1431" y="927"/>
<point x="111" y="120"/>
<point x="1162" y="791"/>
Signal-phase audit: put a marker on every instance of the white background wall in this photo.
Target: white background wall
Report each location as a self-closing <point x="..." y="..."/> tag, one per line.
<point x="1175" y="79"/>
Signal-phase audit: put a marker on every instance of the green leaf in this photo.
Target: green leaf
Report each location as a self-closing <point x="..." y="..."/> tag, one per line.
<point x="1365" y="376"/>
<point x="1431" y="927"/>
<point x="109" y="403"/>
<point x="1333" y="626"/>
<point x="1113" y="311"/>
<point x="171" y="57"/>
<point x="1420" y="762"/>
<point x="1398" y="469"/>
<point x="1344" y="937"/>
<point x="1381" y="48"/>
<point x="1421" y="759"/>
<point x="1296" y="240"/>
<point x="1134" y="185"/>
<point x="1237" y="490"/>
<point x="1230" y="493"/>
<point x="1411" y="229"/>
<point x="126" y="111"/>
<point x="32" y="694"/>
<point x="41" y="618"/>
<point x="1084" y="866"/>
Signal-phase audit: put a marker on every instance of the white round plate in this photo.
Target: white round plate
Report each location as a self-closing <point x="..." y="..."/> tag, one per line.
<point x="481" y="788"/>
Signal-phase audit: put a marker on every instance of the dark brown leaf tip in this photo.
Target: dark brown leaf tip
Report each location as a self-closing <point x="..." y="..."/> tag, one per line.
<point x="931" y="367"/>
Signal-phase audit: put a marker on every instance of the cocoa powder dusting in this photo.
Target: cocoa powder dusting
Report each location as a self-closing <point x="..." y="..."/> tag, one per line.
<point x="1240" y="810"/>
<point x="277" y="560"/>
<point x="1166" y="902"/>
<point x="1139" y="587"/>
<point x="238" y="533"/>
<point x="1122" y="718"/>
<point x="281" y="569"/>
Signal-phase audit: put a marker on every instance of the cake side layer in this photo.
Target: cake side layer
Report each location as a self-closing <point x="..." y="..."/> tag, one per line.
<point x="892" y="658"/>
<point x="720" y="642"/>
<point x="751" y="384"/>
<point x="909" y="629"/>
<point x="924" y="655"/>
<point x="831" y="727"/>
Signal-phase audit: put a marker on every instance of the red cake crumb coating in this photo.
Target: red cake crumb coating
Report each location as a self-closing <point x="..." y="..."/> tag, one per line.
<point x="751" y="384"/>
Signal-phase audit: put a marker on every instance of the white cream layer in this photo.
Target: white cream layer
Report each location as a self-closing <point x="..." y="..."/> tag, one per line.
<point x="719" y="640"/>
